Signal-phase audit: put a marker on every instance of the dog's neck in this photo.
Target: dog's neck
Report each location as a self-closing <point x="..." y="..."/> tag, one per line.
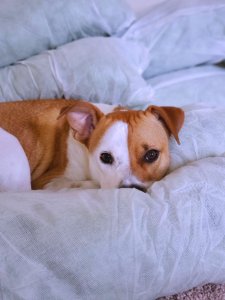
<point x="77" y="155"/>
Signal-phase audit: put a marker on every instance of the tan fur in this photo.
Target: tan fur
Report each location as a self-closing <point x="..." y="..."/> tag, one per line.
<point x="42" y="127"/>
<point x="42" y="136"/>
<point x="145" y="132"/>
<point x="82" y="134"/>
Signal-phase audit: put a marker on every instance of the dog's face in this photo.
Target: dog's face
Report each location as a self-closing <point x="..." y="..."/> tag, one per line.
<point x="126" y="148"/>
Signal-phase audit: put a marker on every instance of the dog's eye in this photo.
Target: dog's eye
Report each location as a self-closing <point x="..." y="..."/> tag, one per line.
<point x="106" y="158"/>
<point x="151" y="156"/>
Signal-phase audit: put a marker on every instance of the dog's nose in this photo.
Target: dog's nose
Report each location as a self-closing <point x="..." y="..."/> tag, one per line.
<point x="138" y="187"/>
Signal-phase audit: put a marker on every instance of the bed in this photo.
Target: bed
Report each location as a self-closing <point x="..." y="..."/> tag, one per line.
<point x="120" y="243"/>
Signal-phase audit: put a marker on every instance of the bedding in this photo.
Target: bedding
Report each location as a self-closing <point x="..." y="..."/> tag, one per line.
<point x="116" y="244"/>
<point x="142" y="6"/>
<point x="203" y="84"/>
<point x="66" y="72"/>
<point x="181" y="34"/>
<point x="29" y="27"/>
<point x="202" y="136"/>
<point x="120" y="243"/>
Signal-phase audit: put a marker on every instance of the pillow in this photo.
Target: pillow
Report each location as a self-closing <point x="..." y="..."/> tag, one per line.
<point x="201" y="136"/>
<point x="97" y="69"/>
<point x="115" y="244"/>
<point x="203" y="85"/>
<point x="29" y="27"/>
<point x="181" y="34"/>
<point x="141" y="6"/>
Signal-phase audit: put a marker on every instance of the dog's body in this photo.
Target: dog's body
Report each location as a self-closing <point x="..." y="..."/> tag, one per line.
<point x="72" y="143"/>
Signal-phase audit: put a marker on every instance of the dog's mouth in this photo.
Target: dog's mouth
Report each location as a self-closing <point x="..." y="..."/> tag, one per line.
<point x="135" y="186"/>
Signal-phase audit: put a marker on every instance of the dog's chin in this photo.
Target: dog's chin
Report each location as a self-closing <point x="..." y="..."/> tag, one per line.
<point x="141" y="187"/>
<point x="123" y="186"/>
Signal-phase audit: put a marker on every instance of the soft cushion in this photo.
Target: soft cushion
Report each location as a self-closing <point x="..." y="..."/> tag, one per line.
<point x="116" y="244"/>
<point x="98" y="69"/>
<point x="181" y="34"/>
<point x="29" y="27"/>
<point x="203" y="85"/>
<point x="201" y="136"/>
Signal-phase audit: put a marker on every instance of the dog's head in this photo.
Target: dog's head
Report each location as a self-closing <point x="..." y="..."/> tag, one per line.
<point x="127" y="148"/>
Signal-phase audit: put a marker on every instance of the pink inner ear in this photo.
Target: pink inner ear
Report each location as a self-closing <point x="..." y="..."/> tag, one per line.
<point x="77" y="120"/>
<point x="81" y="123"/>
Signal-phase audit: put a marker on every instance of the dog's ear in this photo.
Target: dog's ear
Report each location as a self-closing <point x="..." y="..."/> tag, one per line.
<point x="171" y="117"/>
<point x="82" y="118"/>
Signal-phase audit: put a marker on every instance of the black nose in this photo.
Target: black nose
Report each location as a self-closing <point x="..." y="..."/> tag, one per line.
<point x="135" y="186"/>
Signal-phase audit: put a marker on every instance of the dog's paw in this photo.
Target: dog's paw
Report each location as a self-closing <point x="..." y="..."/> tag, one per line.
<point x="86" y="184"/>
<point x="61" y="183"/>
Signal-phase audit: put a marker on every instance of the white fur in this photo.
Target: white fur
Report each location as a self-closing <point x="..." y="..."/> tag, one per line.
<point x="14" y="166"/>
<point x="86" y="170"/>
<point x="76" y="174"/>
<point x="115" y="141"/>
<point x="83" y="170"/>
<point x="77" y="155"/>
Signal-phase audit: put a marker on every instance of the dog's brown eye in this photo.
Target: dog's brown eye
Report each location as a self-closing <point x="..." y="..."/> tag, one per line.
<point x="151" y="156"/>
<point x="106" y="158"/>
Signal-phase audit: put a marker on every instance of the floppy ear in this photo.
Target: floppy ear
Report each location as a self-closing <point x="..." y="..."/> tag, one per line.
<point x="172" y="118"/>
<point x="82" y="118"/>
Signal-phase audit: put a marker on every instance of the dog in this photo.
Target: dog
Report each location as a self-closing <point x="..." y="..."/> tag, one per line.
<point x="56" y="144"/>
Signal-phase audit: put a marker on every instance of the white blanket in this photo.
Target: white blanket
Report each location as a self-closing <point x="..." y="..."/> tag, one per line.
<point x="116" y="244"/>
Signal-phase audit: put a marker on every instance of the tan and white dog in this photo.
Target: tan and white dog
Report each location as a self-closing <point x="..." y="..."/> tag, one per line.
<point x="58" y="144"/>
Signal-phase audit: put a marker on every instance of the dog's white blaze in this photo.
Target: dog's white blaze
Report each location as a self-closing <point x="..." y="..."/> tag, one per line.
<point x="80" y="168"/>
<point x="77" y="170"/>
<point x="77" y="154"/>
<point x="114" y="141"/>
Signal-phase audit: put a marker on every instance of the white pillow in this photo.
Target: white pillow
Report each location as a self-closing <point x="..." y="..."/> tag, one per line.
<point x="201" y="136"/>
<point x="29" y="27"/>
<point x="181" y="34"/>
<point x="98" y="69"/>
<point x="203" y="85"/>
<point x="116" y="244"/>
